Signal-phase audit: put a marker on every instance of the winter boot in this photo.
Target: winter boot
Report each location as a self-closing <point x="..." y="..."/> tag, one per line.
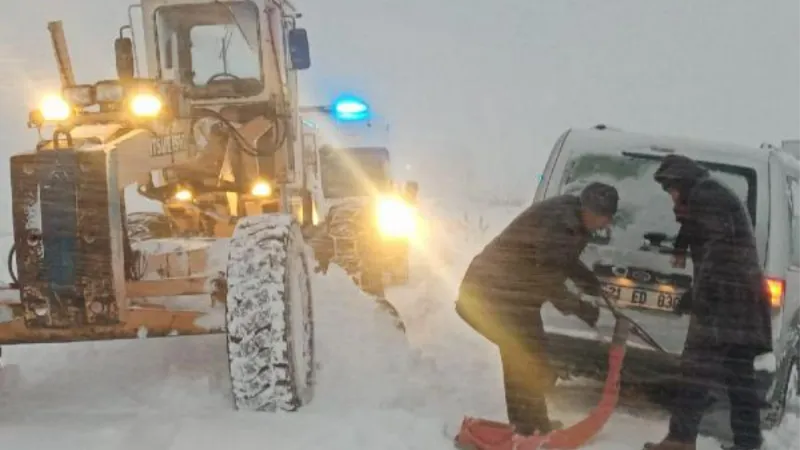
<point x="669" y="444"/>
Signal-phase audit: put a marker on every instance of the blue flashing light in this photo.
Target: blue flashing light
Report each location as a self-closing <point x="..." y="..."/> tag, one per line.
<point x="349" y="109"/>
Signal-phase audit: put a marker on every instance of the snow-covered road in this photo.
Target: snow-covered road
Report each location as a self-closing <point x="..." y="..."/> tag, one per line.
<point x="376" y="389"/>
<point x="173" y="393"/>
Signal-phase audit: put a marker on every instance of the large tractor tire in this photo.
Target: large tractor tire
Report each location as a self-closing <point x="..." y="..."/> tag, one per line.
<point x="269" y="315"/>
<point x="346" y="228"/>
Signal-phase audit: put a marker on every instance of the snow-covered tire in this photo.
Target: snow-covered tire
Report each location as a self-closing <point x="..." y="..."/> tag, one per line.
<point x="346" y="228"/>
<point x="269" y="315"/>
<point x="786" y="398"/>
<point x="792" y="393"/>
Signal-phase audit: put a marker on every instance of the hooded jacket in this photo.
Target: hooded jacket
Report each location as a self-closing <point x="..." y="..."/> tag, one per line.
<point x="730" y="301"/>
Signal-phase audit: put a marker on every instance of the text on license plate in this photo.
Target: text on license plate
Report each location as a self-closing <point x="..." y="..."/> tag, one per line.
<point x="642" y="298"/>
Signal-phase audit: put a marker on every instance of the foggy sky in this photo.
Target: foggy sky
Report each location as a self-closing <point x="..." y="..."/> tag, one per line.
<point x="478" y="91"/>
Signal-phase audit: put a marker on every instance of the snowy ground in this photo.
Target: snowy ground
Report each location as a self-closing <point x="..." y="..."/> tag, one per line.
<point x="377" y="388"/>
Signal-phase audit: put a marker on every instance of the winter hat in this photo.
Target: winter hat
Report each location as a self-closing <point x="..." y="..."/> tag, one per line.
<point x="600" y="198"/>
<point x="679" y="172"/>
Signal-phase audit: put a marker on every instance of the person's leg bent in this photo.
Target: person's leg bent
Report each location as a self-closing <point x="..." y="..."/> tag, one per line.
<point x="524" y="390"/>
<point x="473" y="309"/>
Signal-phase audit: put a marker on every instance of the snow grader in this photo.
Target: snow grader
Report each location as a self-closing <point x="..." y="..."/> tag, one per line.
<point x="211" y="131"/>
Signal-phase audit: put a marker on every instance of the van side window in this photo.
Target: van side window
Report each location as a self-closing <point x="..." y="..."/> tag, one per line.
<point x="793" y="196"/>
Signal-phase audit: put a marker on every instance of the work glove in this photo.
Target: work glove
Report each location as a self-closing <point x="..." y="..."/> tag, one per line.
<point x="684" y="305"/>
<point x="588" y="312"/>
<point x="594" y="289"/>
<point x="572" y="304"/>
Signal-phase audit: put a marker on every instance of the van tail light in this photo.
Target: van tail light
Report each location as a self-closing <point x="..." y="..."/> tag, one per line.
<point x="776" y="288"/>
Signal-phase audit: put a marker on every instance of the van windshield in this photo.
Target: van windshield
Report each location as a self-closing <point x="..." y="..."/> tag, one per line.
<point x="644" y="207"/>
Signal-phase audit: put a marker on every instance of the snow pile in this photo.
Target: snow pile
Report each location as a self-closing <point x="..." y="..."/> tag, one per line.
<point x="787" y="436"/>
<point x="364" y="361"/>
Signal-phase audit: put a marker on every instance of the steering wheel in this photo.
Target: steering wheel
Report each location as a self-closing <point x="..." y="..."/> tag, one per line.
<point x="221" y="74"/>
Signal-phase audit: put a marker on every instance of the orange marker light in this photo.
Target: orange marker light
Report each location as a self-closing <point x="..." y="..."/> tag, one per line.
<point x="775" y="287"/>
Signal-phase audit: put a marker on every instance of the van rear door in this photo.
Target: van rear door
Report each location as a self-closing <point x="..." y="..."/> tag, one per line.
<point x="633" y="259"/>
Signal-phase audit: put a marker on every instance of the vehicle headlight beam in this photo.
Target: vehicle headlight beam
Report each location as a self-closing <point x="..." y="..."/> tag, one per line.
<point x="396" y="218"/>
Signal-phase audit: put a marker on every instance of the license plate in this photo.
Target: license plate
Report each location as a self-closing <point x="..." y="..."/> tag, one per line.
<point x="636" y="297"/>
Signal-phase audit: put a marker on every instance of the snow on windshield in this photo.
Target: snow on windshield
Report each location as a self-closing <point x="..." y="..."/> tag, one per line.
<point x="644" y="207"/>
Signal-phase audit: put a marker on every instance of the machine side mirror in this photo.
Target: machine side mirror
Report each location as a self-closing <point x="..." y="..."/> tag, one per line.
<point x="298" y="49"/>
<point x="123" y="51"/>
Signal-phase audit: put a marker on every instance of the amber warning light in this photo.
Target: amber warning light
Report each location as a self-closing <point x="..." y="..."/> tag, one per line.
<point x="775" y="287"/>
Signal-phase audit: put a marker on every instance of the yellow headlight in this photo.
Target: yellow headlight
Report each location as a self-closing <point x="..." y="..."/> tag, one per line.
<point x="261" y="189"/>
<point x="54" y="108"/>
<point x="184" y="195"/>
<point x="146" y="105"/>
<point x="396" y="218"/>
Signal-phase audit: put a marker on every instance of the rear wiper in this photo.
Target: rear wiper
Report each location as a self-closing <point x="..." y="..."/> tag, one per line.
<point x="644" y="155"/>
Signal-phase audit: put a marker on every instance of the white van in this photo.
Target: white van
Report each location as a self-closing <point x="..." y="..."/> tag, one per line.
<point x="633" y="259"/>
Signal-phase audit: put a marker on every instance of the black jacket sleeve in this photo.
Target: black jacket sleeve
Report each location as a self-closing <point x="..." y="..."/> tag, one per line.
<point x="681" y="244"/>
<point x="568" y="303"/>
<point x="585" y="278"/>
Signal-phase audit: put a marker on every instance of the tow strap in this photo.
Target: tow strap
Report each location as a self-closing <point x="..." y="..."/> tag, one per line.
<point x="483" y="434"/>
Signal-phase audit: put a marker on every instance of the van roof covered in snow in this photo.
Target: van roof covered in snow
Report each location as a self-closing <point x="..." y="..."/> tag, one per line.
<point x="609" y="139"/>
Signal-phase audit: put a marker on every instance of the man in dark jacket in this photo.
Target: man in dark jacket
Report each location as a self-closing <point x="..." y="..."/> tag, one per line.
<point x="730" y="316"/>
<point x="523" y="267"/>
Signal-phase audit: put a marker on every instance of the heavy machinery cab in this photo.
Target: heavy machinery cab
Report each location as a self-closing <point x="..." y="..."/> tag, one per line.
<point x="221" y="52"/>
<point x="354" y="172"/>
<point x="232" y="62"/>
<point x="213" y="49"/>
